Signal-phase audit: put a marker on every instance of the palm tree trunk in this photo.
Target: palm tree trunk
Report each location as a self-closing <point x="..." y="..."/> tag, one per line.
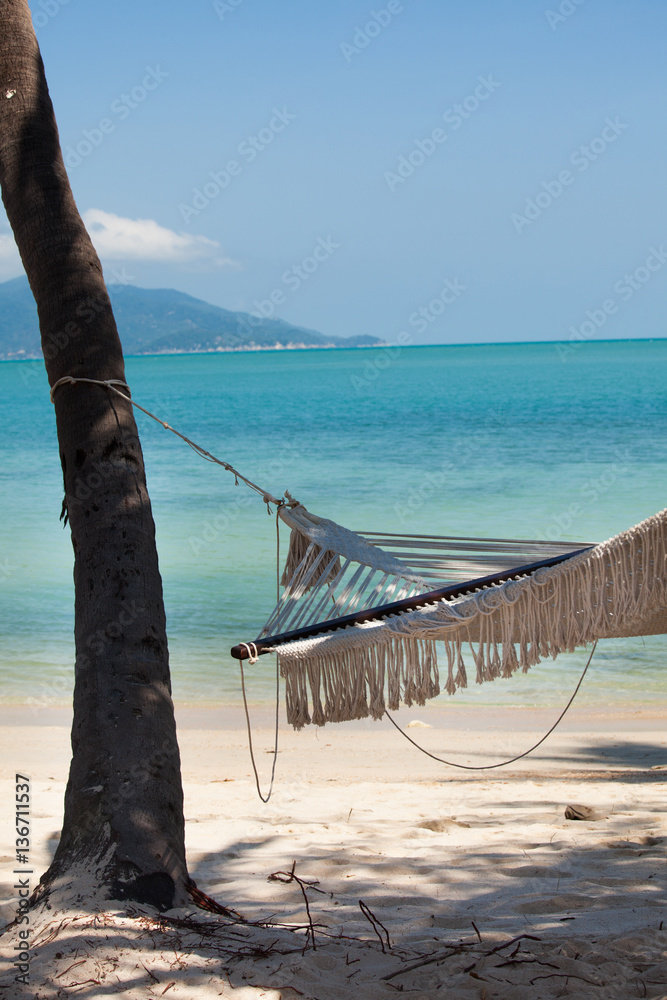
<point x="124" y="801"/>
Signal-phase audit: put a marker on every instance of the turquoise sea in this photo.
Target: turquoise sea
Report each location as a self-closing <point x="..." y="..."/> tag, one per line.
<point x="525" y="441"/>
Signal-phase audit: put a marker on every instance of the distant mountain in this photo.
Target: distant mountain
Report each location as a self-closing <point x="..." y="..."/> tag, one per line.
<point x="163" y="321"/>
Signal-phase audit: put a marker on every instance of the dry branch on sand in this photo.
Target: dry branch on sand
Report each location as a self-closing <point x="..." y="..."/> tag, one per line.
<point x="191" y="955"/>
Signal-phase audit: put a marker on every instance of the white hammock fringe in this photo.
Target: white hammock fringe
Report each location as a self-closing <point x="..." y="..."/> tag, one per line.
<point x="617" y="588"/>
<point x="352" y="684"/>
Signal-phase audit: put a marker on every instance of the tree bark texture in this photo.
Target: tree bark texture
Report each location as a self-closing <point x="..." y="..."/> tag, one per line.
<point x="124" y="802"/>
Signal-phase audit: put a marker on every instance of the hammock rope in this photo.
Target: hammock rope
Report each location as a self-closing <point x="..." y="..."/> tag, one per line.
<point x="502" y="763"/>
<point x="112" y="385"/>
<point x="264" y="798"/>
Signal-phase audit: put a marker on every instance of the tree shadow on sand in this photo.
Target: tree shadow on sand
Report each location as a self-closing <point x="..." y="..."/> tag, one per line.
<point x="440" y="915"/>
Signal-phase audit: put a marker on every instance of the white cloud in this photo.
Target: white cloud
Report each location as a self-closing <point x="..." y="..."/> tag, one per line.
<point x="116" y="238"/>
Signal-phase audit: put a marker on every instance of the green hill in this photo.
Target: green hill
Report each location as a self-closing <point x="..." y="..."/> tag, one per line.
<point x="162" y="321"/>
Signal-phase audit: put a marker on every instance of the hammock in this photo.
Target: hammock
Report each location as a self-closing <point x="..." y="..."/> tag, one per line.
<point x="356" y="627"/>
<point x="358" y="621"/>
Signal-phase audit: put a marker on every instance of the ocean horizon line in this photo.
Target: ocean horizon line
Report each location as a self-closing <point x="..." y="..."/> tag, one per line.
<point x="383" y="345"/>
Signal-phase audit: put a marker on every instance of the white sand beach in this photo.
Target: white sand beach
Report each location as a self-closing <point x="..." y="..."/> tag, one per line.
<point x="473" y="884"/>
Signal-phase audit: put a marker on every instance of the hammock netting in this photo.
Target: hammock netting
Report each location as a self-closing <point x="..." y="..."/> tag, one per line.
<point x="357" y="624"/>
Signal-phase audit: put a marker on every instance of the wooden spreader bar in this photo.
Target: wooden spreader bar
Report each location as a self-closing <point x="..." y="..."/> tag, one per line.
<point x="267" y="644"/>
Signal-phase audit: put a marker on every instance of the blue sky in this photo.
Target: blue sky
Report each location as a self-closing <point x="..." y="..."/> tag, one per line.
<point x="421" y="171"/>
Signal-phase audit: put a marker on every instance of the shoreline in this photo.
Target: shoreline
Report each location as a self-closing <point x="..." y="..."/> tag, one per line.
<point x="381" y="345"/>
<point x="215" y="742"/>
<point x="486" y="717"/>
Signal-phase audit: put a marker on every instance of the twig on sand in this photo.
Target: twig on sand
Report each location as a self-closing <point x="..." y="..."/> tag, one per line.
<point x="205" y="902"/>
<point x="526" y="961"/>
<point x="163" y="922"/>
<point x="54" y="933"/>
<point x="213" y="930"/>
<point x="479" y="936"/>
<point x="429" y="960"/>
<point x="507" y="944"/>
<point x="375" y="923"/>
<point x="458" y="949"/>
<point x="72" y="966"/>
<point x="291" y="876"/>
<point x="151" y="974"/>
<point x="563" y="975"/>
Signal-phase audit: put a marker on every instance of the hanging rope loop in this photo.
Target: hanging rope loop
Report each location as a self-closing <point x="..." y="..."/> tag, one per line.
<point x="502" y="763"/>
<point x="251" y="648"/>
<point x="110" y="383"/>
